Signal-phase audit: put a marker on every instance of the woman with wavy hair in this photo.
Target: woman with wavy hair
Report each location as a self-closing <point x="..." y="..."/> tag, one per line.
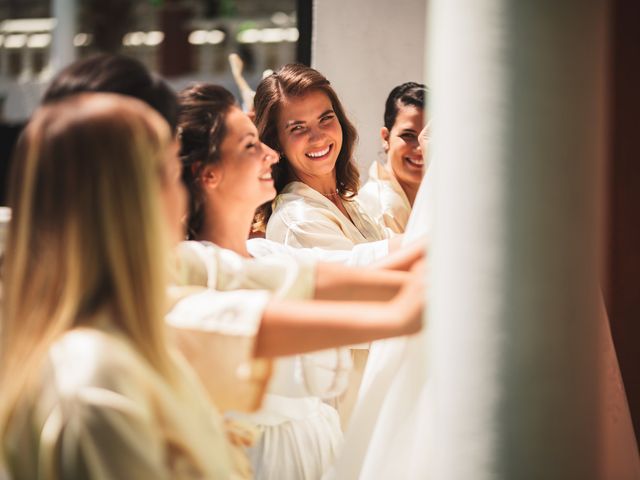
<point x="299" y="115"/>
<point x="227" y="170"/>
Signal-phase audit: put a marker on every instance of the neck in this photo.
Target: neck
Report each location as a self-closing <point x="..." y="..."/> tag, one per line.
<point x="410" y="191"/>
<point x="227" y="226"/>
<point x="324" y="184"/>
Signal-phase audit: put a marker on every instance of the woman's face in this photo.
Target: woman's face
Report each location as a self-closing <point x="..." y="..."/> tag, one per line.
<point x="174" y="193"/>
<point x="244" y="171"/>
<point x="310" y="135"/>
<point x="404" y="155"/>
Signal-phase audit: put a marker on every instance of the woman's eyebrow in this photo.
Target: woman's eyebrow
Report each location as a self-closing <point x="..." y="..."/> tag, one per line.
<point x="293" y="122"/>
<point x="326" y="112"/>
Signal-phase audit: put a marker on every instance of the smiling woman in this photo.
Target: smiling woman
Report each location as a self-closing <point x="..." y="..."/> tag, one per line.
<point x="300" y="115"/>
<point x="389" y="194"/>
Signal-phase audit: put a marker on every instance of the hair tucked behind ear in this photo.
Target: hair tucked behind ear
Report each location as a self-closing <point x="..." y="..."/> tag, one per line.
<point x="201" y="128"/>
<point x="409" y="93"/>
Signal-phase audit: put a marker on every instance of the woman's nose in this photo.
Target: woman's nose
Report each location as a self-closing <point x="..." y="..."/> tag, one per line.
<point x="315" y="134"/>
<point x="271" y="156"/>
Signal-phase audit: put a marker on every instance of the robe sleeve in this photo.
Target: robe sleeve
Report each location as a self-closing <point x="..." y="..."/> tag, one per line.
<point x="216" y="332"/>
<point x="105" y="436"/>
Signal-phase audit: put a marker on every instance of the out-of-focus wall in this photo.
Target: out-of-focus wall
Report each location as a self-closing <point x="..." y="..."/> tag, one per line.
<point x="365" y="48"/>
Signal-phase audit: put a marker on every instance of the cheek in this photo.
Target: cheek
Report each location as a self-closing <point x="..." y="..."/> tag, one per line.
<point x="293" y="147"/>
<point x="239" y="181"/>
<point x="396" y="149"/>
<point x="336" y="133"/>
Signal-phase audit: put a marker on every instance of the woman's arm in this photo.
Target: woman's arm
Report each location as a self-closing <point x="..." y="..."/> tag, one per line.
<point x="403" y="258"/>
<point x="296" y="327"/>
<point x="337" y="282"/>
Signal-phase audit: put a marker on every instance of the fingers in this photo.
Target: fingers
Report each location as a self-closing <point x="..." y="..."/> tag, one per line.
<point x="425" y="137"/>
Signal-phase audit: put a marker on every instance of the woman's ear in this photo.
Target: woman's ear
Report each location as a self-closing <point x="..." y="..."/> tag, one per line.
<point x="210" y="176"/>
<point x="384" y="134"/>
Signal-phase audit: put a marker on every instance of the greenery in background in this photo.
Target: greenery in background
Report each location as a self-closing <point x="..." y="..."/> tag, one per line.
<point x="219" y="8"/>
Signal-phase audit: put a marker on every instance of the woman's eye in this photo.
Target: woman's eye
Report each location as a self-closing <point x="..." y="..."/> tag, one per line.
<point x="296" y="129"/>
<point x="408" y="136"/>
<point x="327" y="118"/>
<point x="251" y="145"/>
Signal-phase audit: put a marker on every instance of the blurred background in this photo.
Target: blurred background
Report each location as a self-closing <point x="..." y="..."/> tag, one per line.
<point x="184" y="40"/>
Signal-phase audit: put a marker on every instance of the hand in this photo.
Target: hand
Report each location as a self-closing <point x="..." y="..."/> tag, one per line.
<point x="424" y="138"/>
<point x="410" y="301"/>
<point x="403" y="258"/>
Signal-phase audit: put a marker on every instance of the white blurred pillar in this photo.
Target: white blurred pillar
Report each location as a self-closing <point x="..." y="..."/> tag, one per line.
<point x="63" y="52"/>
<point x="518" y="111"/>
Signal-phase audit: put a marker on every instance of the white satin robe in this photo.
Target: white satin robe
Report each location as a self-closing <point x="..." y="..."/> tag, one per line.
<point x="384" y="200"/>
<point x="303" y="217"/>
<point x="301" y="435"/>
<point x="100" y="411"/>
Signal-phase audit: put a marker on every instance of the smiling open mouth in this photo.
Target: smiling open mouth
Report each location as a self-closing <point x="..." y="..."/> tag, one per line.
<point x="415" y="162"/>
<point x="266" y="177"/>
<point x="319" y="154"/>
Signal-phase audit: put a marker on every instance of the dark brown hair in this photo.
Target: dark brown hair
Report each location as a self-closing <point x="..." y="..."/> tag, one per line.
<point x="409" y="93"/>
<point x="201" y="128"/>
<point x="295" y="80"/>
<point x="115" y="74"/>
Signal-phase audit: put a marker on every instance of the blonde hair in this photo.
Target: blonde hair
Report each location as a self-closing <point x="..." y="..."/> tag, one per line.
<point x="87" y="236"/>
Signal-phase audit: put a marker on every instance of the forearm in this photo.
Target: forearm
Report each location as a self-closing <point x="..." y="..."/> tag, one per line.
<point x="289" y="328"/>
<point x="404" y="258"/>
<point x="337" y="282"/>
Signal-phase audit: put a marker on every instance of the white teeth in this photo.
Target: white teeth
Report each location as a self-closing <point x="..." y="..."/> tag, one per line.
<point x="321" y="153"/>
<point x="266" y="176"/>
<point x="415" y="162"/>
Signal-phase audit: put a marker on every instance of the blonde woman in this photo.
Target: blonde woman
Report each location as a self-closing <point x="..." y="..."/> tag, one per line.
<point x="89" y="386"/>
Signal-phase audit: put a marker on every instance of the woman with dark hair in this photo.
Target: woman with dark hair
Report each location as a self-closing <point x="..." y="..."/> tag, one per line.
<point x="391" y="189"/>
<point x="299" y="115"/>
<point x="228" y="173"/>
<point x="115" y="74"/>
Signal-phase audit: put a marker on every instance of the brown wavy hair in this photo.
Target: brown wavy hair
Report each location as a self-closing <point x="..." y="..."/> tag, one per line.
<point x="292" y="81"/>
<point x="201" y="127"/>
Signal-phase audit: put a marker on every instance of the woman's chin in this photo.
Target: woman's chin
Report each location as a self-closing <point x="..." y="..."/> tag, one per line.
<point x="268" y="196"/>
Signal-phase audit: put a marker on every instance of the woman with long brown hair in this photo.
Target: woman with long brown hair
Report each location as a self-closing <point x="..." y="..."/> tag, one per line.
<point x="299" y="115"/>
